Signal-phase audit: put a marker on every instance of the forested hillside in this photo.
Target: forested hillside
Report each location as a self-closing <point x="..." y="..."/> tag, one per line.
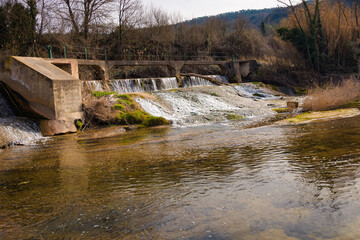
<point x="271" y="16"/>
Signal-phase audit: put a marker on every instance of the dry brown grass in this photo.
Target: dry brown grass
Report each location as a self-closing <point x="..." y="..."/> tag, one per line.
<point x="98" y="110"/>
<point x="332" y="96"/>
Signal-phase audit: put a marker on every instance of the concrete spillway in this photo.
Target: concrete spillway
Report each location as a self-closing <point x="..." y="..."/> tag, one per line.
<point x="48" y="91"/>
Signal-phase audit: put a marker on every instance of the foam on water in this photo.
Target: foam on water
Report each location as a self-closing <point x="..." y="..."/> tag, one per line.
<point x="13" y="129"/>
<point x="186" y="108"/>
<point x="250" y="91"/>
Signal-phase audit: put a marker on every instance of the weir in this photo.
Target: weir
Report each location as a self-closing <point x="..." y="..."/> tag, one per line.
<point x="51" y="88"/>
<point x="152" y="84"/>
<point x="234" y="70"/>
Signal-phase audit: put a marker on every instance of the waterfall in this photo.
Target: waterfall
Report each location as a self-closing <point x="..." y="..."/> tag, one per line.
<point x="143" y="85"/>
<point x="6" y="110"/>
<point x="196" y="81"/>
<point x="93" y="86"/>
<point x="14" y="129"/>
<point x="157" y="84"/>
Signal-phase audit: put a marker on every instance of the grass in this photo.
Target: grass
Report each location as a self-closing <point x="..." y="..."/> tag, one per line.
<point x="282" y="110"/>
<point x="152" y="121"/>
<point x="321" y="115"/>
<point x="234" y="117"/>
<point x="121" y="109"/>
<point x="353" y="104"/>
<point x="101" y="94"/>
<point x="333" y="96"/>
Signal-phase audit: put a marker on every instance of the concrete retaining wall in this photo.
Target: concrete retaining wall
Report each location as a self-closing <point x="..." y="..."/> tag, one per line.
<point x="49" y="91"/>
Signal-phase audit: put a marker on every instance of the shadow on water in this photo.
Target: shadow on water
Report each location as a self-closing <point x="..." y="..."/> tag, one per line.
<point x="209" y="182"/>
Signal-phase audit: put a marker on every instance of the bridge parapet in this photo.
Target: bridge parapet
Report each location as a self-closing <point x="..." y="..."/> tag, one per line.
<point x="234" y="70"/>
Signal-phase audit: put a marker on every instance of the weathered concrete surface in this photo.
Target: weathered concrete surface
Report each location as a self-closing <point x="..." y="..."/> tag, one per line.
<point x="234" y="70"/>
<point x="49" y="91"/>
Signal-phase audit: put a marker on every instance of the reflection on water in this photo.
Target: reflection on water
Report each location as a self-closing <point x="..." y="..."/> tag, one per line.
<point x="210" y="182"/>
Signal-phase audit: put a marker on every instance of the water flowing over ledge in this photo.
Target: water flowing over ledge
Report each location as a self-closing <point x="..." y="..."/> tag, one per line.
<point x="150" y="84"/>
<point x="206" y="104"/>
<point x="14" y="129"/>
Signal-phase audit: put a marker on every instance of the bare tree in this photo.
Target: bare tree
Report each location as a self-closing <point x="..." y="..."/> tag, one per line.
<point x="130" y="15"/>
<point x="81" y="14"/>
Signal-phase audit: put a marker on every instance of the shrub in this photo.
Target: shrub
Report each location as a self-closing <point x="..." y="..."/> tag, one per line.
<point x="98" y="110"/>
<point x="332" y="96"/>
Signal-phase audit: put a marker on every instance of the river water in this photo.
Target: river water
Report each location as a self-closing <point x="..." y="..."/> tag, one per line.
<point x="207" y="182"/>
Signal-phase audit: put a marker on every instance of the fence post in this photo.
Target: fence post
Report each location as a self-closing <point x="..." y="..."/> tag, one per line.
<point x="50" y="51"/>
<point x="105" y="52"/>
<point x="86" y="53"/>
<point x="64" y="51"/>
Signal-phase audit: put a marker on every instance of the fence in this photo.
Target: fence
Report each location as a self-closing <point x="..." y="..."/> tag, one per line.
<point x="128" y="55"/>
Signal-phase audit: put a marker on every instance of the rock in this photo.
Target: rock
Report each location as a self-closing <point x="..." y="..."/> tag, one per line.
<point x="292" y="105"/>
<point x="55" y="127"/>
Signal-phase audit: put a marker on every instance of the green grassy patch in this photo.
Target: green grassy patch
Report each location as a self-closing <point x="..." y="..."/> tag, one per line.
<point x="124" y="97"/>
<point x="353" y="104"/>
<point x="281" y="110"/>
<point x="102" y="94"/>
<point x="274" y="88"/>
<point x="128" y="112"/>
<point x="79" y="125"/>
<point x="234" y="117"/>
<point x="152" y="121"/>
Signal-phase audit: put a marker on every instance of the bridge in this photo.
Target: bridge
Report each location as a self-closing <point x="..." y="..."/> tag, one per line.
<point x="51" y="88"/>
<point x="234" y="70"/>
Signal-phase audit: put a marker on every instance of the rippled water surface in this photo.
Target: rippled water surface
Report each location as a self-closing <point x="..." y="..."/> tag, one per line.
<point x="211" y="182"/>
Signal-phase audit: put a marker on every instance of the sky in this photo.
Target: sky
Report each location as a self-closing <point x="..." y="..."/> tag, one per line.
<point x="197" y="8"/>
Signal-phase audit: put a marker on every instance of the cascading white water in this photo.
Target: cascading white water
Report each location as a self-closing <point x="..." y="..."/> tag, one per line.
<point x="209" y="104"/>
<point x="143" y="85"/>
<point x="251" y="91"/>
<point x="93" y="86"/>
<point x="196" y="81"/>
<point x="156" y="84"/>
<point x="13" y="129"/>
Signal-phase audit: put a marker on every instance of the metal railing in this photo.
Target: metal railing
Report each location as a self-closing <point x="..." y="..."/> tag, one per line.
<point x="91" y="53"/>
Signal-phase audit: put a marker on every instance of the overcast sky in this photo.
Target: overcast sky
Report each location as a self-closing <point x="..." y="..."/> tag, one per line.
<point x="197" y="8"/>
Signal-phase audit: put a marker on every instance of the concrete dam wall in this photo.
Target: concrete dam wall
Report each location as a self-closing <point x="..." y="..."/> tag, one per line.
<point x="51" y="93"/>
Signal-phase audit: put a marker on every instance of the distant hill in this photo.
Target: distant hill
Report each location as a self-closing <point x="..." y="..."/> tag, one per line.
<point x="271" y="16"/>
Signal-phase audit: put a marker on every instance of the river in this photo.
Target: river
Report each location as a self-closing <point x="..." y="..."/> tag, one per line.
<point x="215" y="181"/>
